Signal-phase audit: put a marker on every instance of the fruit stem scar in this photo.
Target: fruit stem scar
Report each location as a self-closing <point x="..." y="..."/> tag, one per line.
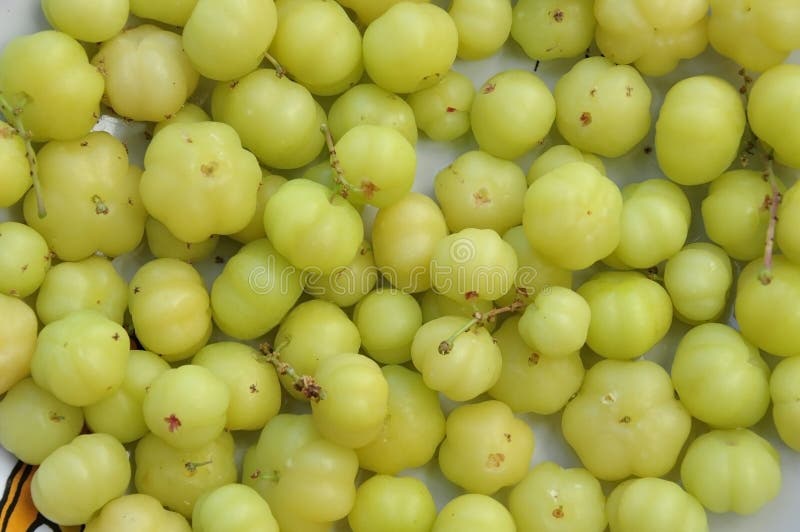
<point x="99" y="205"/>
<point x="173" y="423"/>
<point x="12" y="114"/>
<point x="191" y="467"/>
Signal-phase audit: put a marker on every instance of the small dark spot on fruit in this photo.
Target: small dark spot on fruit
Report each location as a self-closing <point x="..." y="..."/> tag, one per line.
<point x="558" y="15"/>
<point x="628" y="90"/>
<point x="625" y="419"/>
<point x="507" y="436"/>
<point x="558" y="512"/>
<point x="451" y="109"/>
<point x="586" y="118"/>
<point x="488" y="88"/>
<point x="116" y="336"/>
<point x="84" y="144"/>
<point x="136" y="289"/>
<point x="533" y="360"/>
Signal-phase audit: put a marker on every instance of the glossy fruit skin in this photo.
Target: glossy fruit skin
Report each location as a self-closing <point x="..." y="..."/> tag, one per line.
<point x="698" y="279"/>
<point x="626" y="420"/>
<point x="291" y="462"/>
<point x="732" y="471"/>
<point x="255" y="291"/>
<point x="92" y="283"/>
<point x="486" y="447"/>
<point x="121" y="414"/>
<point x="96" y="168"/>
<point x="720" y="377"/>
<point x="18" y="330"/>
<point x="529" y="381"/>
<point x="511" y="113"/>
<point x="199" y="181"/>
<point x="322" y="236"/>
<point x="170" y="308"/>
<point x="392" y="504"/>
<point x="155" y="58"/>
<point x="77" y="479"/>
<point x="136" y="512"/>
<point x="187" y="407"/>
<point x="474" y="512"/>
<point x="654" y="37"/>
<point x="630" y="314"/>
<point x="81" y="358"/>
<point x="553" y="499"/>
<point x="654" y="504"/>
<point x="693" y="108"/>
<point x="412" y="430"/>
<point x="594" y="99"/>
<point x="767" y="314"/>
<point x="33" y="65"/>
<point x="240" y="34"/>
<point x="178" y="478"/>
<point x="471" y="367"/>
<point x="573" y="215"/>
<point x="232" y="508"/>
<point x="404" y="237"/>
<point x="34" y="423"/>
<point x="785" y="408"/>
<point x="355" y="404"/>
<point x="772" y="111"/>
<point x="15" y="177"/>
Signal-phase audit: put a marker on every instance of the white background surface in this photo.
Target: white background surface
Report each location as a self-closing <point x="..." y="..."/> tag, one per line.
<point x="783" y="514"/>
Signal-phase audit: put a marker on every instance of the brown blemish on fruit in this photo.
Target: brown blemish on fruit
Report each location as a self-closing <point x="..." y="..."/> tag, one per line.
<point x="495" y="460"/>
<point x="533" y="360"/>
<point x="558" y="512"/>
<point x="628" y="91"/>
<point x="116" y="336"/>
<point x="84" y="144"/>
<point x="24" y="267"/>
<point x="481" y="197"/>
<point x="472" y="294"/>
<point x="451" y="109"/>
<point x="136" y="289"/>
<point x="488" y="88"/>
<point x="208" y="169"/>
<point x="625" y="420"/>
<point x="585" y="118"/>
<point x="55" y="417"/>
<point x="558" y="15"/>
<point x="368" y="188"/>
<point x="253" y="388"/>
<point x="507" y="437"/>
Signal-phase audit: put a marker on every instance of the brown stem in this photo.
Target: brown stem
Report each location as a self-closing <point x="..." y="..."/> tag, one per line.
<point x="773" y="201"/>
<point x="304" y="384"/>
<point x="481" y="319"/>
<point x="15" y="120"/>
<point x="344" y="187"/>
<point x="279" y="70"/>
